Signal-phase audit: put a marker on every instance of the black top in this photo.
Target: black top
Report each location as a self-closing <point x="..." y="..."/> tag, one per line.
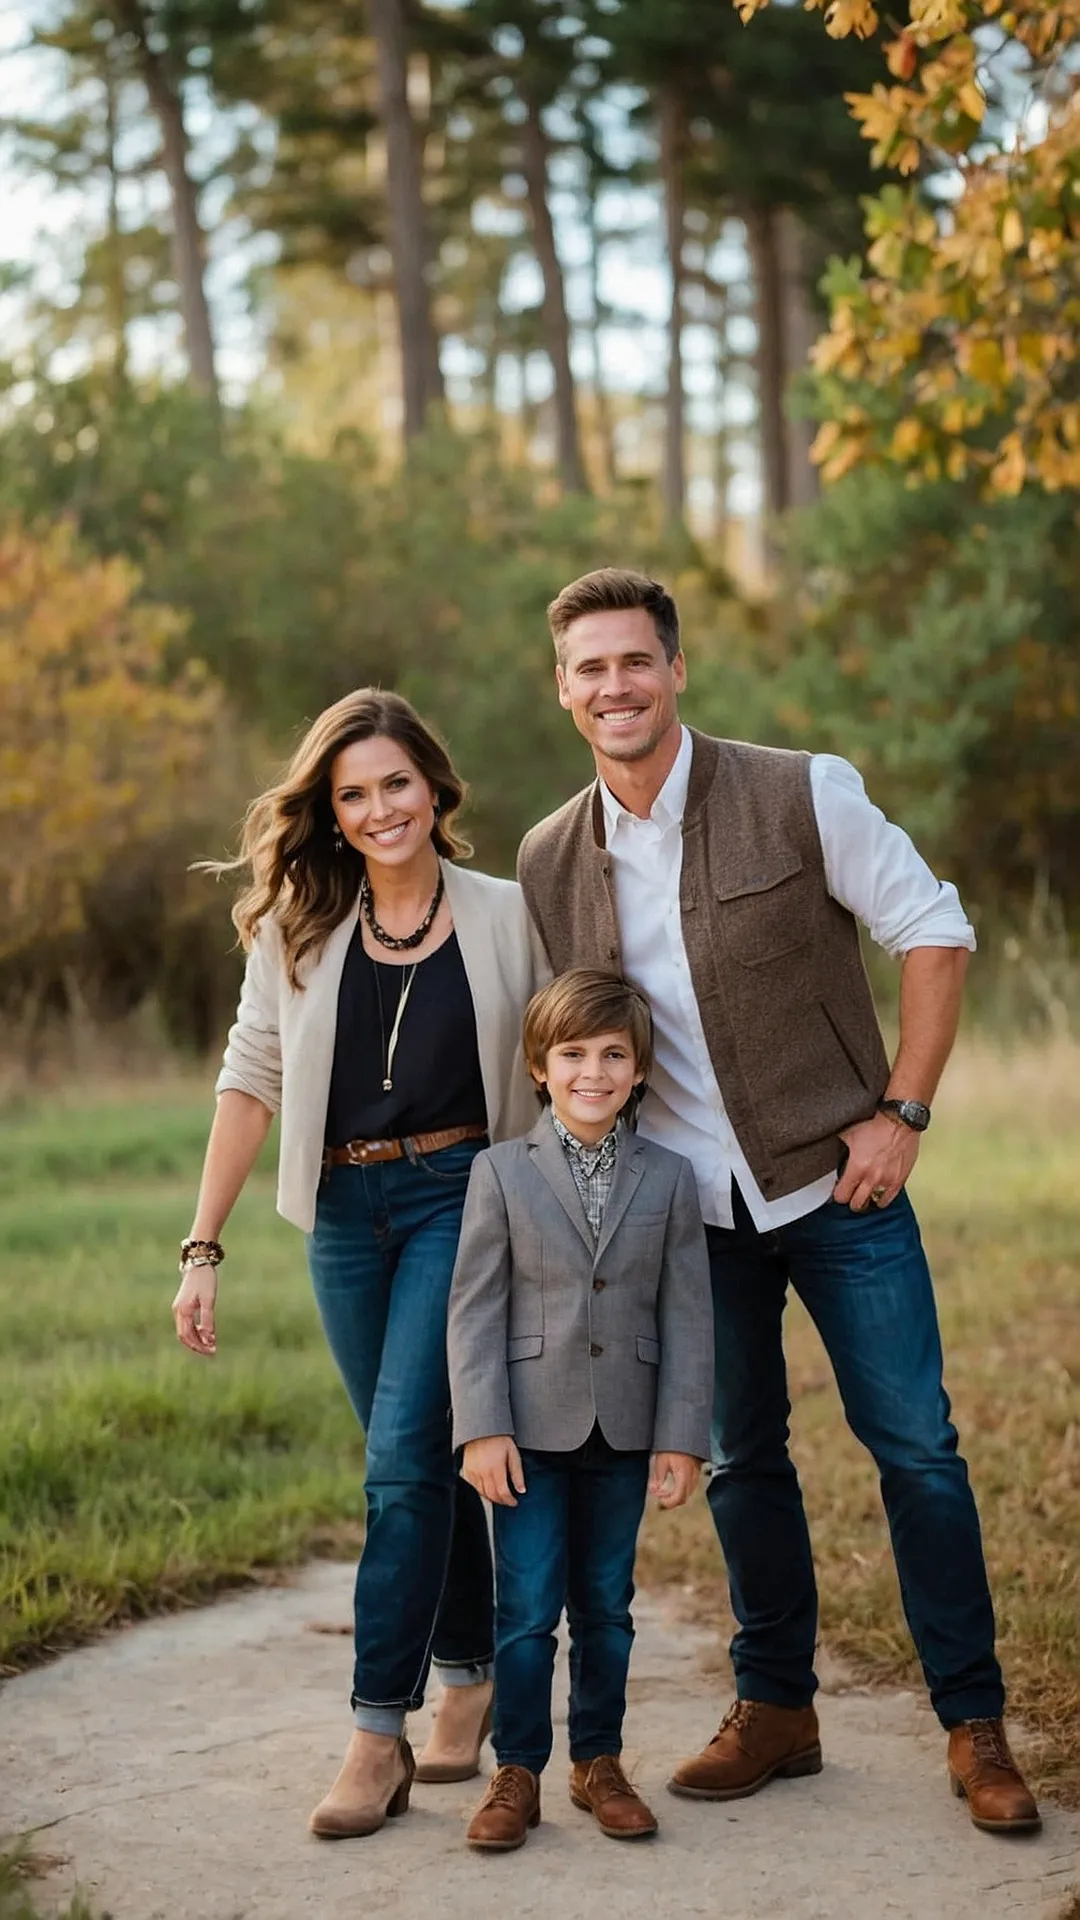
<point x="436" y="1070"/>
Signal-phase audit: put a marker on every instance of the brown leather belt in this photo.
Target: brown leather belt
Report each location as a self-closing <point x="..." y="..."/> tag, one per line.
<point x="361" y="1153"/>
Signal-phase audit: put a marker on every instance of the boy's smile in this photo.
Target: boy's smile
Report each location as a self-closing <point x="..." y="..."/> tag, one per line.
<point x="590" y="1081"/>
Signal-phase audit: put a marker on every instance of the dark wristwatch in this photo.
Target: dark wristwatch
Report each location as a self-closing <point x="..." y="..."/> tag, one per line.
<point x="913" y="1113"/>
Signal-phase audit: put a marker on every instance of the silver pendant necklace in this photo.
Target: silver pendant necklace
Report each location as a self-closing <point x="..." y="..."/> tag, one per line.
<point x="389" y="1050"/>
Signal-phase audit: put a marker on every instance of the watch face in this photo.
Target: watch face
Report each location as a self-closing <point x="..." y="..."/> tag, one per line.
<point x="915" y="1114"/>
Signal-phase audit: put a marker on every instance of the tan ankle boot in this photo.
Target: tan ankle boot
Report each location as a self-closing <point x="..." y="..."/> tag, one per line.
<point x="462" y="1724"/>
<point x="372" y="1788"/>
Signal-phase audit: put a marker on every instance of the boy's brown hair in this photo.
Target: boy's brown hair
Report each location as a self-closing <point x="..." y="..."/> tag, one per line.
<point x="580" y="1004"/>
<point x="615" y="590"/>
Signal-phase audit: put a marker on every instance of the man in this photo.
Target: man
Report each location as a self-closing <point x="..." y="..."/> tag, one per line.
<point x="726" y="881"/>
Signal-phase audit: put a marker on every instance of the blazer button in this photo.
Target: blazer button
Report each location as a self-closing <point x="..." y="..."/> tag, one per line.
<point x="598" y="1285"/>
<point x="594" y="1350"/>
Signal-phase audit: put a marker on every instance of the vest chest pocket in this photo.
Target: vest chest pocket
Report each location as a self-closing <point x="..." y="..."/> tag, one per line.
<point x="767" y="912"/>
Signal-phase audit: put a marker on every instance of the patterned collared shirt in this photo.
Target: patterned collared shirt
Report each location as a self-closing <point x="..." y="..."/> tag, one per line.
<point x="593" y="1169"/>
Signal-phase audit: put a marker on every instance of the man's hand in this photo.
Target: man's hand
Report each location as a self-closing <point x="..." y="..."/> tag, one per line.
<point x="673" y="1478"/>
<point x="881" y="1154"/>
<point x="493" y="1467"/>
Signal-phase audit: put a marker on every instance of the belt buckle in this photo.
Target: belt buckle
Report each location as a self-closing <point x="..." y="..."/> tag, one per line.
<point x="357" y="1152"/>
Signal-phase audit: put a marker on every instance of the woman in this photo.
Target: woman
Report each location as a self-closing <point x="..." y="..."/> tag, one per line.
<point x="381" y="1015"/>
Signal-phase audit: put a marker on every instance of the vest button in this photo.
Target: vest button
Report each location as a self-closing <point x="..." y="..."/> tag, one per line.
<point x="594" y="1350"/>
<point x="598" y="1285"/>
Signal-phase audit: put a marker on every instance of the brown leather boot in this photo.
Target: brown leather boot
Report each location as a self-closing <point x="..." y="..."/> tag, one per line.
<point x="756" y="1743"/>
<point x="983" y="1772"/>
<point x="508" y="1809"/>
<point x="600" y="1787"/>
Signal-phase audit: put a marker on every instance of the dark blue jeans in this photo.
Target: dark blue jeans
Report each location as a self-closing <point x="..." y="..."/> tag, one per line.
<point x="381" y="1258"/>
<point x="569" y="1542"/>
<point x="863" y="1278"/>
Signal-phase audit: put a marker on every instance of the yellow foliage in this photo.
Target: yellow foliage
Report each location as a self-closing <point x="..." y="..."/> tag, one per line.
<point x="993" y="284"/>
<point x="97" y="735"/>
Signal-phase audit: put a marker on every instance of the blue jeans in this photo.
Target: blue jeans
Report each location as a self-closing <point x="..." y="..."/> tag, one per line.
<point x="569" y="1542"/>
<point x="864" y="1280"/>
<point x="382" y="1257"/>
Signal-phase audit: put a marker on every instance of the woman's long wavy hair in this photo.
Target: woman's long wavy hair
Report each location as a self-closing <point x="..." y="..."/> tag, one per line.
<point x="287" y="842"/>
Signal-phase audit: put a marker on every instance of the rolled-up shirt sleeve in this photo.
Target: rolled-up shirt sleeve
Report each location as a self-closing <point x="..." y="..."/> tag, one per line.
<point x="873" y="868"/>
<point x="252" y="1061"/>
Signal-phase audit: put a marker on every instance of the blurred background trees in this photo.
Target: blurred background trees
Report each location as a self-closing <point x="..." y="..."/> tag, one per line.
<point x="337" y="339"/>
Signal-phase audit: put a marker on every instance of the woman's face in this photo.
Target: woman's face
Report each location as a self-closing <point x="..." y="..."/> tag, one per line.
<point x="382" y="803"/>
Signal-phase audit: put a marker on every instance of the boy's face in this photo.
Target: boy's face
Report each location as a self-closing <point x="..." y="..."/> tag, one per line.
<point x="590" y="1081"/>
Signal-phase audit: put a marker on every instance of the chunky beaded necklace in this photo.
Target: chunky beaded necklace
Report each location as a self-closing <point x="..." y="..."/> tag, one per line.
<point x="407" y="940"/>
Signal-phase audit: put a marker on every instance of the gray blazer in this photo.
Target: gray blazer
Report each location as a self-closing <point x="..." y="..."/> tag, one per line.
<point x="549" y="1333"/>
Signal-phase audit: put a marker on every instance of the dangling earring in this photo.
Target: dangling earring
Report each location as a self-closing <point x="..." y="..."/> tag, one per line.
<point x="339" y="839"/>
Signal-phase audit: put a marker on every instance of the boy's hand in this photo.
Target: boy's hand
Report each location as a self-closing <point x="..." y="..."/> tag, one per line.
<point x="674" y="1477"/>
<point x="493" y="1467"/>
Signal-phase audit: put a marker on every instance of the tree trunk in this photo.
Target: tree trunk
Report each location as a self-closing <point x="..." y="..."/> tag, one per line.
<point x="672" y="172"/>
<point x="116" y="277"/>
<point x="801" y="328"/>
<point x="761" y="229"/>
<point x="188" y="252"/>
<point x="604" y="429"/>
<point x="421" y="375"/>
<point x="556" y="321"/>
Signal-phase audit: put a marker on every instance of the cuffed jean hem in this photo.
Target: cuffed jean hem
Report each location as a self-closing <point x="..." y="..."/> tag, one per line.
<point x="961" y="1707"/>
<point x="772" y="1693"/>
<point x="387" y="1720"/>
<point x="583" y="1756"/>
<point x="475" y="1674"/>
<point x="533" y="1762"/>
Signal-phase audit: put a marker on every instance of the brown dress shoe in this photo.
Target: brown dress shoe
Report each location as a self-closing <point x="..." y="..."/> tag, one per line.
<point x="600" y="1787"/>
<point x="508" y="1809"/>
<point x="354" y="1806"/>
<point x="756" y="1743"/>
<point x="983" y="1772"/>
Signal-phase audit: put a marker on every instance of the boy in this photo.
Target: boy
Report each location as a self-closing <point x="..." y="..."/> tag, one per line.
<point x="580" y="1340"/>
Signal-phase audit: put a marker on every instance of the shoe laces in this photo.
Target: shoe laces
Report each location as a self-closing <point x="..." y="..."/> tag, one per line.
<point x="605" y="1776"/>
<point x="989" y="1745"/>
<point x="509" y="1787"/>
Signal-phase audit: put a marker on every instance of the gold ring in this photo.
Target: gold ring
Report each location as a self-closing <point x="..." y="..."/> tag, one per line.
<point x="877" y="1195"/>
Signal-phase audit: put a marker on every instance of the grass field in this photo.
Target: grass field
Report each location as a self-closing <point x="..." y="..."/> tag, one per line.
<point x="134" y="1477"/>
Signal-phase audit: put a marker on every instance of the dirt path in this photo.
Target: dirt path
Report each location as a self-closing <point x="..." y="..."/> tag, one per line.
<point x="171" y="1769"/>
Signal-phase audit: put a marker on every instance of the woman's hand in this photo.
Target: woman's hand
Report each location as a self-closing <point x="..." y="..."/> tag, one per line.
<point x="493" y="1467"/>
<point x="674" y="1477"/>
<point x="193" y="1309"/>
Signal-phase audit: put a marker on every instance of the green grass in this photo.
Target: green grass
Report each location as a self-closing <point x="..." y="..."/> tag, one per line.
<point x="135" y="1477"/>
<point x="132" y="1475"/>
<point x="17" y="1870"/>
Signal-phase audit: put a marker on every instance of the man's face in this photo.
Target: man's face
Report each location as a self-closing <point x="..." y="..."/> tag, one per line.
<point x="617" y="682"/>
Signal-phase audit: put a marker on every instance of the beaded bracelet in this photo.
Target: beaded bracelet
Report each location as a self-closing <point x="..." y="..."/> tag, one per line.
<point x="201" y="1253"/>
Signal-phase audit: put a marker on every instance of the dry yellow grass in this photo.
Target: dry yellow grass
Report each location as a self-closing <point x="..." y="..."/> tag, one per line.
<point x="998" y="1193"/>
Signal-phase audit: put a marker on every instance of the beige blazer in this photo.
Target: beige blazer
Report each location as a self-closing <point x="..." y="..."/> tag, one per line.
<point x="281" y="1046"/>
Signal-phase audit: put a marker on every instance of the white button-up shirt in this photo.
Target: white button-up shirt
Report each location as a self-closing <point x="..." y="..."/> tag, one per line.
<point x="871" y="867"/>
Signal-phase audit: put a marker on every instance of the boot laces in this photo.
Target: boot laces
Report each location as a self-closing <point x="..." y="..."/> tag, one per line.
<point x="740" y="1718"/>
<point x="989" y="1745"/>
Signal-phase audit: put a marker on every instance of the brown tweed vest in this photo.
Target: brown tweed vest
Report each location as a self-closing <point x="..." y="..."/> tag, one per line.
<point x="785" y="1003"/>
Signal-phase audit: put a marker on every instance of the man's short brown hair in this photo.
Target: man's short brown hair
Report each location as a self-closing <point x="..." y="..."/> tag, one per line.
<point x="615" y="590"/>
<point x="580" y="1004"/>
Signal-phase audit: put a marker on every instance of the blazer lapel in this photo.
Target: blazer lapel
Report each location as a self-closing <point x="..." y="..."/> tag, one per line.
<point x="628" y="1170"/>
<point x="549" y="1157"/>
